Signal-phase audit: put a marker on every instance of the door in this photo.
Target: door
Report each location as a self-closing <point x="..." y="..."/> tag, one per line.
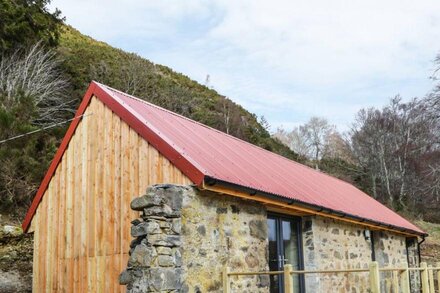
<point x="285" y="247"/>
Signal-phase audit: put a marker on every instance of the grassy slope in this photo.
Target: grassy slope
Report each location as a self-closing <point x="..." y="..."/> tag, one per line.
<point x="430" y="249"/>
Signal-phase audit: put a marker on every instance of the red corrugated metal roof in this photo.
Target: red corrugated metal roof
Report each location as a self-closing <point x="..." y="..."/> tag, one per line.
<point x="200" y="152"/>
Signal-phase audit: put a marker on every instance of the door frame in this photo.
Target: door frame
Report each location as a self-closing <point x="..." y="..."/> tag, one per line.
<point x="280" y="244"/>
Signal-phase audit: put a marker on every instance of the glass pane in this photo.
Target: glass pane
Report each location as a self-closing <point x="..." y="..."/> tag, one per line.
<point x="291" y="250"/>
<point x="273" y="254"/>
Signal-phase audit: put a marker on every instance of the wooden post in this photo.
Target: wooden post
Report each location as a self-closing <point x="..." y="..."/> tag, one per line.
<point x="288" y="280"/>
<point x="424" y="275"/>
<point x="374" y="277"/>
<point x="395" y="282"/>
<point x="431" y="279"/>
<point x="225" y="275"/>
<point x="437" y="265"/>
<point x="404" y="280"/>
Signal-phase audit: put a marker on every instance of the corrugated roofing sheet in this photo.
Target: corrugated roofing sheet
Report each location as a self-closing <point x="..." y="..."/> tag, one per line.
<point x="226" y="158"/>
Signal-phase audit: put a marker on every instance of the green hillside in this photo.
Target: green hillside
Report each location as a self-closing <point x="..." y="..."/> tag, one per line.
<point x="81" y="59"/>
<point x="85" y="59"/>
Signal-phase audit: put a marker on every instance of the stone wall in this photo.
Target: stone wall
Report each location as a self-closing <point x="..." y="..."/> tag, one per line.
<point x="220" y="230"/>
<point x="184" y="237"/>
<point x="390" y="251"/>
<point x="332" y="244"/>
<point x="413" y="261"/>
<point x="155" y="263"/>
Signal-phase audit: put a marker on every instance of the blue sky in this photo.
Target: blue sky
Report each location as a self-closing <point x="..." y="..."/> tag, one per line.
<point x="287" y="60"/>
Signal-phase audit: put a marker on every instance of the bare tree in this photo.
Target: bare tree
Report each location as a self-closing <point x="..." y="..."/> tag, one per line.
<point x="134" y="75"/>
<point x="390" y="143"/>
<point x="295" y="140"/>
<point x="337" y="147"/>
<point x="35" y="74"/>
<point x="309" y="140"/>
<point x="316" y="133"/>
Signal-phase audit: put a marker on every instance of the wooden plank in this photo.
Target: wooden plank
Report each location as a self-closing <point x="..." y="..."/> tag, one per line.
<point x="152" y="162"/>
<point x="76" y="189"/>
<point x="131" y="171"/>
<point x="159" y="170"/>
<point x="83" y="234"/>
<point x="108" y="200"/>
<point x="111" y="206"/>
<point x="288" y="279"/>
<point x="61" y="224"/>
<point x="100" y="245"/>
<point x="424" y="276"/>
<point x="36" y="257"/>
<point x="92" y="186"/>
<point x="43" y="242"/>
<point x="84" y="202"/>
<point x="143" y="165"/>
<point x="374" y="277"/>
<point x="395" y="282"/>
<point x="55" y="182"/>
<point x="117" y="198"/>
<point x="134" y="176"/>
<point x="437" y="265"/>
<point x="431" y="279"/>
<point x="166" y="170"/>
<point x="49" y="237"/>
<point x="125" y="188"/>
<point x="404" y="280"/>
<point x="55" y="227"/>
<point x="91" y="272"/>
<point x="100" y="273"/>
<point x="69" y="218"/>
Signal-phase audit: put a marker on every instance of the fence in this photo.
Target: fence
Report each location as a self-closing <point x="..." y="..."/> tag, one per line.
<point x="402" y="273"/>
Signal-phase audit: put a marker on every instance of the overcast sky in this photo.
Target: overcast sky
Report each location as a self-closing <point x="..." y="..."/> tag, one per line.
<point x="286" y="60"/>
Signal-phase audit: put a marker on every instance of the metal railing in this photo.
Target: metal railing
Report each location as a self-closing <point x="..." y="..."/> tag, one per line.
<point x="401" y="273"/>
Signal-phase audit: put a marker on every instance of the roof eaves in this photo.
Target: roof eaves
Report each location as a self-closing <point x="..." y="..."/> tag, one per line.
<point x="213" y="181"/>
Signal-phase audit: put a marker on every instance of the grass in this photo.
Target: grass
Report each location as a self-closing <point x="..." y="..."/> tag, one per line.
<point x="430" y="249"/>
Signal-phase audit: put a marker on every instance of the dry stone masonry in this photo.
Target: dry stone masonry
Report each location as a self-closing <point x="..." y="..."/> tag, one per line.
<point x="184" y="237"/>
<point x="219" y="230"/>
<point x="331" y="244"/>
<point x="155" y="263"/>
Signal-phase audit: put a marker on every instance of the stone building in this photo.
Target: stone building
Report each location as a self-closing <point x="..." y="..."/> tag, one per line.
<point x="213" y="200"/>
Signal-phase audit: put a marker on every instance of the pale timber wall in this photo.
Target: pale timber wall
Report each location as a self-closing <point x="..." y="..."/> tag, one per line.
<point x="82" y="225"/>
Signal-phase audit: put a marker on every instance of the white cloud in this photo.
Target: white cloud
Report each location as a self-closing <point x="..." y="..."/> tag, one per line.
<point x="288" y="60"/>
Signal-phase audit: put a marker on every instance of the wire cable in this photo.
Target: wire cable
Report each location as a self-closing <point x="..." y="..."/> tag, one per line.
<point x="44" y="128"/>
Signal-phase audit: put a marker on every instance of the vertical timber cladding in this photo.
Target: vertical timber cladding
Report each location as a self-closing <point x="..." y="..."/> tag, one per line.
<point x="82" y="225"/>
